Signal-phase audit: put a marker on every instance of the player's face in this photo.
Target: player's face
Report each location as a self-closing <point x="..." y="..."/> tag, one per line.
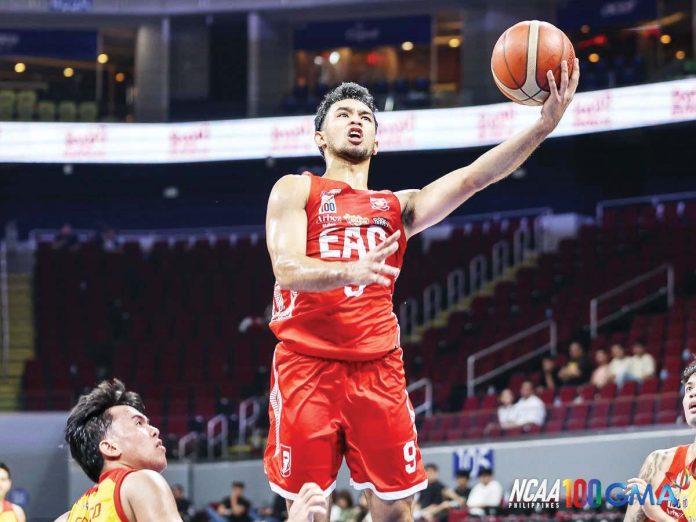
<point x="5" y="483"/>
<point x="349" y="131"/>
<point x="689" y="401"/>
<point x="137" y="442"/>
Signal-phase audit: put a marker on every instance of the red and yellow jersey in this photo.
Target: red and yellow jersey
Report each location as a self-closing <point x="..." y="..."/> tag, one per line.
<point x="680" y="478"/>
<point x="102" y="502"/>
<point x="353" y="323"/>
<point x="7" y="513"/>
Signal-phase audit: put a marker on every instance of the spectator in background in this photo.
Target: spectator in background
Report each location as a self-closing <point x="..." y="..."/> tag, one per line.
<point x="276" y="512"/>
<point x="463" y="489"/>
<point x="107" y="239"/>
<point x="530" y="409"/>
<point x="343" y="509"/>
<point x="548" y="368"/>
<point x="234" y="508"/>
<point x="620" y="365"/>
<point x="507" y="416"/>
<point x="8" y="510"/>
<point x="642" y="363"/>
<point x="601" y="376"/>
<point x="183" y="505"/>
<point x="577" y="370"/>
<point x="65" y="239"/>
<point x="486" y="496"/>
<point x="435" y="500"/>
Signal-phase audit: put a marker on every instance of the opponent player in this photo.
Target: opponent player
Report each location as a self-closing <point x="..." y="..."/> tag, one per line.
<point x="113" y="442"/>
<point x="9" y="512"/>
<point x="338" y="386"/>
<point x="673" y="467"/>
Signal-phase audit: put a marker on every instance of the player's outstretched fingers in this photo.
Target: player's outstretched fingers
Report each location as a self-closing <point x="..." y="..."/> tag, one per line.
<point x="564" y="77"/>
<point x="552" y="84"/>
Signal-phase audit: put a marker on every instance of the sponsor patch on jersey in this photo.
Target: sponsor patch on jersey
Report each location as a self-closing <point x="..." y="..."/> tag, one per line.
<point x="379" y="204"/>
<point x="285" y="460"/>
<point x="328" y="201"/>
<point x="381" y="222"/>
<point x="355" y="220"/>
<point x="328" y="219"/>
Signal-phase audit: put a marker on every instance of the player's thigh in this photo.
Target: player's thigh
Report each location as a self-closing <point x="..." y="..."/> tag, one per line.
<point x="390" y="510"/>
<point x="381" y="441"/>
<point x="304" y="439"/>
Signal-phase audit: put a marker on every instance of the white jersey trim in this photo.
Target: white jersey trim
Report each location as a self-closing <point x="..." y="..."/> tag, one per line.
<point x="392" y="495"/>
<point x="293" y="496"/>
<point x="276" y="400"/>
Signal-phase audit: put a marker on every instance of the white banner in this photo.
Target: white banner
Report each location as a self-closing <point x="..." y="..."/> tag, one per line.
<point x="287" y="137"/>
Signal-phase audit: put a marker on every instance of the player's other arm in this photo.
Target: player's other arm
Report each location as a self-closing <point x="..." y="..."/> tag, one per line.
<point x="428" y="206"/>
<point x="146" y="496"/>
<point x="63" y="517"/>
<point x="286" y="237"/>
<point x="651" y="472"/>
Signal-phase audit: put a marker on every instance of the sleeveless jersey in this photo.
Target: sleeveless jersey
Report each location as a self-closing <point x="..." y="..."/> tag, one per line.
<point x="7" y="514"/>
<point x="680" y="479"/>
<point x="353" y="323"/>
<point x="102" y="502"/>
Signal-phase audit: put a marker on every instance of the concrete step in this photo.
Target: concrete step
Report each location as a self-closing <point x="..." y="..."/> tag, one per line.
<point x="15" y="368"/>
<point x="21" y="353"/>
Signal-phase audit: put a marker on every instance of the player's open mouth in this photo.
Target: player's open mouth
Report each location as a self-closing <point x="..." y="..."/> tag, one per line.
<point x="355" y="135"/>
<point x="160" y="445"/>
<point x="692" y="406"/>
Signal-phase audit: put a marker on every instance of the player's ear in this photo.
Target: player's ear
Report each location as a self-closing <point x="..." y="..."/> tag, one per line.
<point x="319" y="139"/>
<point x="109" y="448"/>
<point x="375" y="148"/>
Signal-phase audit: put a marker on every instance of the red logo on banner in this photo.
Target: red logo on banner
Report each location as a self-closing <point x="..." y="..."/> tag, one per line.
<point x="683" y="102"/>
<point x="190" y="140"/>
<point x="88" y="143"/>
<point x="496" y="124"/>
<point x="397" y="133"/>
<point x="293" y="136"/>
<point x="593" y="110"/>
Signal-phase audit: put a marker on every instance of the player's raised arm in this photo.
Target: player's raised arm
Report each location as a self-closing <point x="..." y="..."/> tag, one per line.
<point x="428" y="206"/>
<point x="286" y="237"/>
<point x="146" y="496"/>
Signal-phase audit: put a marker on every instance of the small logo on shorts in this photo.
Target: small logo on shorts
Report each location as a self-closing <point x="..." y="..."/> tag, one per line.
<point x="285" y="460"/>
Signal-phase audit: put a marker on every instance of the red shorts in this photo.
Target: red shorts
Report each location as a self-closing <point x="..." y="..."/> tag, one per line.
<point x="322" y="410"/>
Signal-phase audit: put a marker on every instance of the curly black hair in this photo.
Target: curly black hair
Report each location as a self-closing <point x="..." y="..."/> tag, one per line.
<point x="89" y="420"/>
<point x="345" y="91"/>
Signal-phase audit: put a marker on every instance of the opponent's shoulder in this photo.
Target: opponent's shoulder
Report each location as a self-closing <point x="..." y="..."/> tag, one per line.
<point x="63" y="518"/>
<point x="291" y="187"/>
<point x="19" y="513"/>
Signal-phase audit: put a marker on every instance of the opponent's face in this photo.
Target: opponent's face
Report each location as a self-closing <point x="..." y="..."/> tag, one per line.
<point x="5" y="483"/>
<point x="689" y="401"/>
<point x="349" y="131"/>
<point x="133" y="441"/>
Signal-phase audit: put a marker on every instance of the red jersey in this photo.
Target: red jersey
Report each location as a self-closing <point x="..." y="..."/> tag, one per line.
<point x="680" y="478"/>
<point x="353" y="323"/>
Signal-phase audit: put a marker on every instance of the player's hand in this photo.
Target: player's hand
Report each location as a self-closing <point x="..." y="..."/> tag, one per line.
<point x="652" y="511"/>
<point x="310" y="501"/>
<point x="559" y="97"/>
<point x="372" y="268"/>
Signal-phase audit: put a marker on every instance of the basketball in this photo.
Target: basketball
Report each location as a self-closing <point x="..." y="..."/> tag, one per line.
<point x="522" y="56"/>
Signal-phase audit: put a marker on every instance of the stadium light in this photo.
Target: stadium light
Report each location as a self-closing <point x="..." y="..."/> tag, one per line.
<point x="68" y="72"/>
<point x="407" y="46"/>
<point x="20" y="67"/>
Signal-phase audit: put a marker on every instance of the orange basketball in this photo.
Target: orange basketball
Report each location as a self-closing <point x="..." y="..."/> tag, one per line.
<point x="522" y="56"/>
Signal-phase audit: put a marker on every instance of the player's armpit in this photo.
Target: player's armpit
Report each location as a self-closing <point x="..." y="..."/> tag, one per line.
<point x="146" y="496"/>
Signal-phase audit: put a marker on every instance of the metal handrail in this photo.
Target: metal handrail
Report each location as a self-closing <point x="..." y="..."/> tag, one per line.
<point x="5" y="298"/>
<point x="247" y="421"/>
<point x="472" y="380"/>
<point x="184" y="441"/>
<point x="654" y="200"/>
<point x="595" y="322"/>
<point x="223" y="423"/>
<point x="427" y="405"/>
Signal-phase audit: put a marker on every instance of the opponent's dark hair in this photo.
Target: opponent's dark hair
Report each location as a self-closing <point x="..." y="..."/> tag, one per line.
<point x="89" y="420"/>
<point x="7" y="469"/>
<point x="345" y="91"/>
<point x="688" y="371"/>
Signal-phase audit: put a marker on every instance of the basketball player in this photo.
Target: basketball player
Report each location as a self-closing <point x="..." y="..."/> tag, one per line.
<point x="9" y="512"/>
<point x="673" y="466"/>
<point x="338" y="387"/>
<point x="115" y="445"/>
